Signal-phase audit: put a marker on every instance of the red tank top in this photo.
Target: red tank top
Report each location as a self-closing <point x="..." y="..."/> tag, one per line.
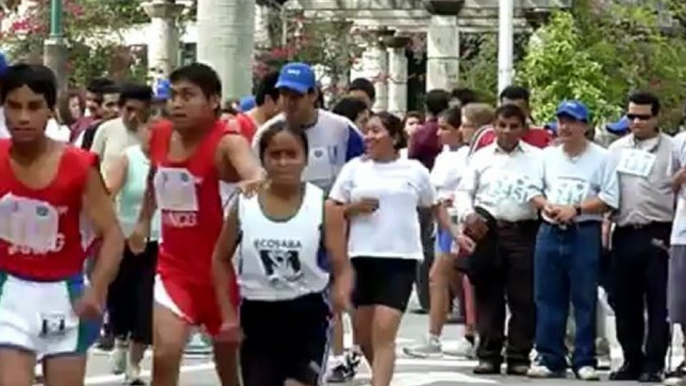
<point x="188" y="236"/>
<point x="65" y="194"/>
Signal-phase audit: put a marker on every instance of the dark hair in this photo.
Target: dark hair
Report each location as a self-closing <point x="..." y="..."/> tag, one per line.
<point x="395" y="128"/>
<point x="110" y="89"/>
<point x="40" y="79"/>
<point x="509" y="111"/>
<point x="200" y="75"/>
<point x="515" y="93"/>
<point x="453" y="116"/>
<point x="364" y="85"/>
<point x="646" y="98"/>
<point x="63" y="110"/>
<point x="274" y="129"/>
<point x="350" y="108"/>
<point x="136" y="92"/>
<point x="228" y="106"/>
<point x="464" y="95"/>
<point x="319" y="103"/>
<point x="413" y="114"/>
<point x="98" y="84"/>
<point x="436" y="101"/>
<point x="267" y="88"/>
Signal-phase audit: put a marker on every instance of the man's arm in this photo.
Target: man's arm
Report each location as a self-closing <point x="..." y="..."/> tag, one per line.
<point x="100" y="210"/>
<point x="115" y="176"/>
<point x="237" y="155"/>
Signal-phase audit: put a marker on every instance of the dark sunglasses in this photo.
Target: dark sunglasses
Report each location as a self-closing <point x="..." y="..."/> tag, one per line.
<point x="642" y="117"/>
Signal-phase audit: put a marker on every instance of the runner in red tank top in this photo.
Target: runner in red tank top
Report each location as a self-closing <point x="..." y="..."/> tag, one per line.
<point x="46" y="311"/>
<point x="191" y="156"/>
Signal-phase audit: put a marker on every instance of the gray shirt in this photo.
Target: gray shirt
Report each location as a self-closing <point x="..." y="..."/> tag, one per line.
<point x="645" y="179"/>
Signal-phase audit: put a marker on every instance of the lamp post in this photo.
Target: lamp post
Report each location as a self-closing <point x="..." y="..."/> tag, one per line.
<point x="54" y="48"/>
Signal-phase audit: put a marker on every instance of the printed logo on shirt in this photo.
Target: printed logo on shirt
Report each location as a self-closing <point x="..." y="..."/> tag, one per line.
<point x="280" y="259"/>
<point x="30" y="227"/>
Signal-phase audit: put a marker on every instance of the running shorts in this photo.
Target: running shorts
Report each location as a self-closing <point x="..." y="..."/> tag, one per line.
<point x="193" y="302"/>
<point x="286" y="339"/>
<point x="130" y="297"/>
<point x="383" y="281"/>
<point x="39" y="317"/>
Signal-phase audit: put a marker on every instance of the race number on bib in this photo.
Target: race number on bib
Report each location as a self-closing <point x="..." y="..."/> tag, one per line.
<point x="175" y="190"/>
<point x="636" y="162"/>
<point x="28" y="223"/>
<point x="510" y="187"/>
<point x="568" y="191"/>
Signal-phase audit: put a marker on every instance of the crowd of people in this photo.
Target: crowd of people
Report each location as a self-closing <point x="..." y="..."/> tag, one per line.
<point x="169" y="211"/>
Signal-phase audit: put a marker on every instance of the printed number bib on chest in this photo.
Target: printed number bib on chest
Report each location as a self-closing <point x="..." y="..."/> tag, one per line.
<point x="56" y="324"/>
<point x="508" y="186"/>
<point x="175" y="190"/>
<point x="568" y="191"/>
<point x="318" y="164"/>
<point x="636" y="162"/>
<point x="28" y="223"/>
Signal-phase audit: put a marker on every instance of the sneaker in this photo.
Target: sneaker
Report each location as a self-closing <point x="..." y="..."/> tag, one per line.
<point x="341" y="373"/>
<point x="674" y="381"/>
<point x="587" y="373"/>
<point x="464" y="349"/>
<point x="133" y="375"/>
<point x="430" y="349"/>
<point x="353" y="360"/>
<point x="540" y="371"/>
<point x="118" y="359"/>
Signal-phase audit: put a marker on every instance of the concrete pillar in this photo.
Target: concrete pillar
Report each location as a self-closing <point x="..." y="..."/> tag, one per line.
<point x="55" y="57"/>
<point x="397" y="74"/>
<point x="226" y="30"/>
<point x="373" y="65"/>
<point x="163" y="39"/>
<point x="262" y="27"/>
<point x="443" y="48"/>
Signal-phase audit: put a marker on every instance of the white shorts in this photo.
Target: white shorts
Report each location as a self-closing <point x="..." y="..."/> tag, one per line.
<point x="39" y="317"/>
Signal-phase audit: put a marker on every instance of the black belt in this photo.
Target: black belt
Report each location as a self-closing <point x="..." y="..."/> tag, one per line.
<point x="650" y="225"/>
<point x="572" y="225"/>
<point x="517" y="224"/>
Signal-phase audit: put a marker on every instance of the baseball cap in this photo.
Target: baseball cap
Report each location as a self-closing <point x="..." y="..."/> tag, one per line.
<point x="298" y="77"/>
<point x="574" y="109"/>
<point x="247" y="103"/>
<point x="620" y="127"/>
<point x="163" y="90"/>
<point x="3" y="63"/>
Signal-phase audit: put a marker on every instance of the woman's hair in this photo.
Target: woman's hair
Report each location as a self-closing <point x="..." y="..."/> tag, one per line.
<point x="350" y="108"/>
<point x="453" y="116"/>
<point x="63" y="111"/>
<point x="413" y="114"/>
<point x="395" y="128"/>
<point x="276" y="128"/>
<point x="480" y="114"/>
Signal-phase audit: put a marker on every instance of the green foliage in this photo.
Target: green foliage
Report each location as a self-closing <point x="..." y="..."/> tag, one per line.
<point x="601" y="51"/>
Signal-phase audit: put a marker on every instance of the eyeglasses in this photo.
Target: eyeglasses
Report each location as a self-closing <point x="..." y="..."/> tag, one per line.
<point x="642" y="117"/>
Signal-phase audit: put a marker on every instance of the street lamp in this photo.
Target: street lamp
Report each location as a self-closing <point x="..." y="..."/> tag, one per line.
<point x="54" y="48"/>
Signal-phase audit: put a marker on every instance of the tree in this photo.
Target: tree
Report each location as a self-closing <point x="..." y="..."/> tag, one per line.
<point x="600" y="51"/>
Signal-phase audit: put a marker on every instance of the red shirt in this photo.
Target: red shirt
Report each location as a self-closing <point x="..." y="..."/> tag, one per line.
<point x="65" y="194"/>
<point x="246" y="126"/>
<point x="425" y="144"/>
<point x="534" y="136"/>
<point x="189" y="236"/>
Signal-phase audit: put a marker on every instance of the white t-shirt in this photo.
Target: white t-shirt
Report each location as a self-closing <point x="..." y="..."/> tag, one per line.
<point x="448" y="169"/>
<point x="570" y="181"/>
<point x="678" y="162"/>
<point x="4" y="133"/>
<point x="57" y="132"/>
<point x="401" y="186"/>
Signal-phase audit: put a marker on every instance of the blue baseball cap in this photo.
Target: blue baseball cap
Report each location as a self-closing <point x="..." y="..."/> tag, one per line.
<point x="552" y="126"/>
<point x="574" y="109"/>
<point x="247" y="103"/>
<point x="298" y="77"/>
<point x="163" y="90"/>
<point x="620" y="127"/>
<point x="3" y="63"/>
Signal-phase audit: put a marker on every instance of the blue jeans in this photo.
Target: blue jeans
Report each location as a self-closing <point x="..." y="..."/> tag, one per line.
<point x="566" y="266"/>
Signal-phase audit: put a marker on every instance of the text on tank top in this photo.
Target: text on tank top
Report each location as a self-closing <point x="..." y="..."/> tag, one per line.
<point x="40" y="229"/>
<point x="188" y="197"/>
<point x="282" y="260"/>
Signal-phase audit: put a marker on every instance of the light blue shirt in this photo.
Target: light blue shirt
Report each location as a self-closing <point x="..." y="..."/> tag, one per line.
<point x="130" y="198"/>
<point x="572" y="180"/>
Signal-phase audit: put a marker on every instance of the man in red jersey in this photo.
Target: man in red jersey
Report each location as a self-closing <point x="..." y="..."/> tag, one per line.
<point x="46" y="311"/>
<point x="534" y="136"/>
<point x="190" y="156"/>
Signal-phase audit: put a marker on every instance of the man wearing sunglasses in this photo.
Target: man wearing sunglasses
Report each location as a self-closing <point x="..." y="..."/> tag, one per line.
<point x="640" y="256"/>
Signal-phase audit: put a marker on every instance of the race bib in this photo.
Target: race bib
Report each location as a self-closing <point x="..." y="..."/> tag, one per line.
<point x="56" y="324"/>
<point x="319" y="165"/>
<point x="568" y="191"/>
<point x="175" y="190"/>
<point x="29" y="223"/>
<point x="636" y="162"/>
<point x="509" y="187"/>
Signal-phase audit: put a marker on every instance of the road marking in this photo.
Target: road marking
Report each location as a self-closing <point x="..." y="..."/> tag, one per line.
<point x="103" y="379"/>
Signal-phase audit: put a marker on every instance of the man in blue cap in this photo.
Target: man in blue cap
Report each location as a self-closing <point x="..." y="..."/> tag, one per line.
<point x="333" y="139"/>
<point x="4" y="133"/>
<point x="579" y="187"/>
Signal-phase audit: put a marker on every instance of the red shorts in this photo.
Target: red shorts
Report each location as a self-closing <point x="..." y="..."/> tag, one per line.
<point x="195" y="303"/>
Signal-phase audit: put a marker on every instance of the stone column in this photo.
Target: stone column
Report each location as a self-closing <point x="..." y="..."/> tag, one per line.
<point x="226" y="33"/>
<point x="373" y="65"/>
<point x="163" y="39"/>
<point x="262" y="19"/>
<point x="397" y="74"/>
<point x="443" y="48"/>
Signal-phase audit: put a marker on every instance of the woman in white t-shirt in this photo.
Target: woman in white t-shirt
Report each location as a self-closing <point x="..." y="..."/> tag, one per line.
<point x="380" y="192"/>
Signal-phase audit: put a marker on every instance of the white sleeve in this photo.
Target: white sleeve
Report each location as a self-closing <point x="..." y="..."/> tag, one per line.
<point x="464" y="195"/>
<point x="427" y="192"/>
<point x="340" y="191"/>
<point x="609" y="183"/>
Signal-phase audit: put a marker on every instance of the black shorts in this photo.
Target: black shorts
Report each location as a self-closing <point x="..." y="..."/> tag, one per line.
<point x="284" y="340"/>
<point x="383" y="281"/>
<point x="130" y="297"/>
